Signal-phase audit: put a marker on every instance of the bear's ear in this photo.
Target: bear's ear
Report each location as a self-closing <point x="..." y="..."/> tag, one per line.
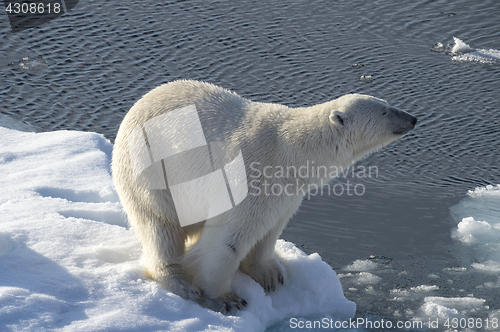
<point x="338" y="118"/>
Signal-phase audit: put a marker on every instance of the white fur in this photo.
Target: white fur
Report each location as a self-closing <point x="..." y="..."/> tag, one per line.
<point x="199" y="261"/>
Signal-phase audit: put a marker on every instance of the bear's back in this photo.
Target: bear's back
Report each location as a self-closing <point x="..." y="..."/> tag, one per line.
<point x="220" y="111"/>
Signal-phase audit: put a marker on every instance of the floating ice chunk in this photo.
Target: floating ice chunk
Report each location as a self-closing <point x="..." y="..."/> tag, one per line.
<point x="456" y="269"/>
<point x="478" y="247"/>
<point x="371" y="263"/>
<point x="460" y="46"/>
<point x="424" y="288"/>
<point x="370" y="290"/>
<point x="362" y="278"/>
<point x="488" y="266"/>
<point x="480" y="56"/>
<point x="365" y="78"/>
<point x="488" y="191"/>
<point x="29" y="63"/>
<point x="412" y="293"/>
<point x="493" y="284"/>
<point x="449" y="307"/>
<point x="361" y="265"/>
<point x="494" y="316"/>
<point x="433" y="310"/>
<point x="438" y="47"/>
<point x="463" y="53"/>
<point x="368" y="278"/>
<point x="479" y="228"/>
<point x="469" y="230"/>
<point x="458" y="303"/>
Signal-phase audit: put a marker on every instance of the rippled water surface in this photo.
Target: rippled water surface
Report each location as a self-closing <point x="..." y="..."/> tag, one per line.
<point x="88" y="68"/>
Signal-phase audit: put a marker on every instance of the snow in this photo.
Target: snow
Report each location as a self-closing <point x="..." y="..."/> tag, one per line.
<point x="69" y="262"/>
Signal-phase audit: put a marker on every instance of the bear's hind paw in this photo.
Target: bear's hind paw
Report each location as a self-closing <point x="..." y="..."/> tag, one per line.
<point x="182" y="286"/>
<point x="226" y="304"/>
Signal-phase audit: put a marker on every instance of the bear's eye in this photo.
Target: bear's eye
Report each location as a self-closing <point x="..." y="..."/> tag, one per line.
<point x="384" y="113"/>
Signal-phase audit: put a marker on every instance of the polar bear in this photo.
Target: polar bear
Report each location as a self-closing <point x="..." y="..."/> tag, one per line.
<point x="197" y="259"/>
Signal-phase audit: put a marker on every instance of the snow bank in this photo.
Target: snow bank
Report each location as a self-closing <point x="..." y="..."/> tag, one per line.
<point x="68" y="261"/>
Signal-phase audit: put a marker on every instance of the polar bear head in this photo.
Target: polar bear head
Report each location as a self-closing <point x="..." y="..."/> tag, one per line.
<point x="367" y="123"/>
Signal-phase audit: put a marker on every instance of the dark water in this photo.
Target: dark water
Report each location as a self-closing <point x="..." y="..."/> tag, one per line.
<point x="104" y="55"/>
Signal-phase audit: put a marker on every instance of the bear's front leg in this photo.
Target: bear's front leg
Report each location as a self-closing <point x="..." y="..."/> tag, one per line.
<point x="263" y="264"/>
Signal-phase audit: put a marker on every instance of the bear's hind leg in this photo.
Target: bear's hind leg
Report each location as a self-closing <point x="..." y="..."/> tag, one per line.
<point x="212" y="262"/>
<point x="163" y="247"/>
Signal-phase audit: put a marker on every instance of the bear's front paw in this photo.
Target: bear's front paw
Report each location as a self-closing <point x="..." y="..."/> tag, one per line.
<point x="182" y="286"/>
<point x="268" y="274"/>
<point x="226" y="304"/>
